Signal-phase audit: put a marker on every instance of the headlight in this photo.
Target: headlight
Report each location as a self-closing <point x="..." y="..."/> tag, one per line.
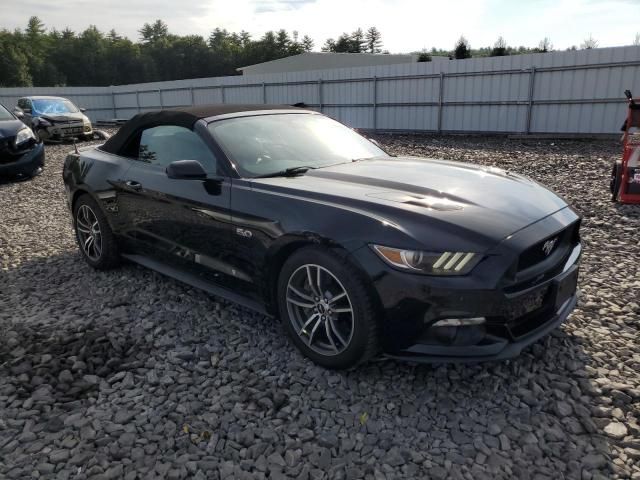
<point x="86" y="120"/>
<point x="23" y="136"/>
<point x="447" y="263"/>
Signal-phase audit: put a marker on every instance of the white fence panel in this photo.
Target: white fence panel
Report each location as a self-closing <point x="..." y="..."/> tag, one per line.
<point x="560" y="92"/>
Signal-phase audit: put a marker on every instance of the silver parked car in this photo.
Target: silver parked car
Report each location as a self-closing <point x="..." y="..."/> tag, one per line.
<point x="54" y="118"/>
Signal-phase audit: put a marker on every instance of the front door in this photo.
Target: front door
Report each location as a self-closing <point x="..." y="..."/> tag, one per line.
<point x="186" y="223"/>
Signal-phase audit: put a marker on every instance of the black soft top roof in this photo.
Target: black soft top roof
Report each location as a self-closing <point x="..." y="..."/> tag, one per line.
<point x="182" y="117"/>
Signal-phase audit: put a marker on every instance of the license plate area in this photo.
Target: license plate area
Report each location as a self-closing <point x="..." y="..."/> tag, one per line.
<point x="566" y="287"/>
<point x="68" y="131"/>
<point x="524" y="304"/>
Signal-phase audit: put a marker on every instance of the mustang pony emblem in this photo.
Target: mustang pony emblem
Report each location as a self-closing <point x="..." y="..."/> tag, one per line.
<point x="547" y="247"/>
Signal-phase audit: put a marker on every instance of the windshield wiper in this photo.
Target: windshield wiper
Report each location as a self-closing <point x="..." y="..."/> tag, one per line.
<point x="287" y="172"/>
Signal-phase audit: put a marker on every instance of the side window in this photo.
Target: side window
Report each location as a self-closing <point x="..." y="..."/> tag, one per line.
<point x="168" y="143"/>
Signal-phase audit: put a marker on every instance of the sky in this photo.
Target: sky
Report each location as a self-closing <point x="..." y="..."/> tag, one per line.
<point x="406" y="25"/>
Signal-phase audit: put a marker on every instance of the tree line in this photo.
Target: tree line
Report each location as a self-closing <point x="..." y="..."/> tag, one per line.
<point x="462" y="48"/>
<point x="37" y="57"/>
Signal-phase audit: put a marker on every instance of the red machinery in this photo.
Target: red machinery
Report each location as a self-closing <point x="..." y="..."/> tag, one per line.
<point x="625" y="177"/>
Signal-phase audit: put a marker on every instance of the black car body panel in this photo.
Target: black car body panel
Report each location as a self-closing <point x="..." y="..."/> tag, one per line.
<point x="234" y="233"/>
<point x="15" y="159"/>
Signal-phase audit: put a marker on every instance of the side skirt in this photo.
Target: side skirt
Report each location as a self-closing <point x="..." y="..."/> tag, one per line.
<point x="195" y="281"/>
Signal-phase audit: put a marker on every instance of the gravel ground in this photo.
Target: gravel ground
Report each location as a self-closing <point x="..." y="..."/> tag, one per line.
<point x="127" y="374"/>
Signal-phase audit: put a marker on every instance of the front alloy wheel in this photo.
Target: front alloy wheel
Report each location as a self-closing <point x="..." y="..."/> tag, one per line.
<point x="320" y="309"/>
<point x="327" y="309"/>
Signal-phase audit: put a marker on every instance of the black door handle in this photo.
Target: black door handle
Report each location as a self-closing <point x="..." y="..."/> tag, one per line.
<point x="133" y="184"/>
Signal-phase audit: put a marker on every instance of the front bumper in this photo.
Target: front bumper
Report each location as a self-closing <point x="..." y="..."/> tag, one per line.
<point x="497" y="341"/>
<point x="24" y="163"/>
<point x="60" y="132"/>
<point x="510" y="315"/>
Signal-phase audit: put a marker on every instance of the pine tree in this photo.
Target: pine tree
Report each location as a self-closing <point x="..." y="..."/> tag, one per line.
<point x="499" y="48"/>
<point x="462" y="49"/>
<point x="545" y="45"/>
<point x="307" y="43"/>
<point x="359" y="44"/>
<point x="373" y="40"/>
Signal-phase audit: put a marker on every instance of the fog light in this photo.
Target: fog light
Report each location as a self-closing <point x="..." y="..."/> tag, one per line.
<point x="459" y="322"/>
<point x="87" y="128"/>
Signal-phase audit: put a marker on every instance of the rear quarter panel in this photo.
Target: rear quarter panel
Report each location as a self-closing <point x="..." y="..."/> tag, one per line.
<point x="98" y="174"/>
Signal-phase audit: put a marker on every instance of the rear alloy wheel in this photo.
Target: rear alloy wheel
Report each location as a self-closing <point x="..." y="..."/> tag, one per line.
<point x="326" y="309"/>
<point x="93" y="233"/>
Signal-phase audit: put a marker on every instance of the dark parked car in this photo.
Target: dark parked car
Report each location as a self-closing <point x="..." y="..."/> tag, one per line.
<point x="20" y="152"/>
<point x="293" y="214"/>
<point x="54" y="118"/>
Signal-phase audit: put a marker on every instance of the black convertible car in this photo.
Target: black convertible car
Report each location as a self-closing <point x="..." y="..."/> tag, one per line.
<point x="358" y="252"/>
<point x="21" y="154"/>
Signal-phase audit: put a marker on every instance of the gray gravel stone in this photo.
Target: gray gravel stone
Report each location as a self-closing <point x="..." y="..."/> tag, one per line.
<point x="616" y="430"/>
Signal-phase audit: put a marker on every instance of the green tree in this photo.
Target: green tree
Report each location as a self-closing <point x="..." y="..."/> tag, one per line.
<point x="462" y="49"/>
<point x="14" y="65"/>
<point x="545" y="45"/>
<point x="307" y="43"/>
<point x="283" y="42"/>
<point x="424" y="56"/>
<point x="499" y="48"/>
<point x="373" y="39"/>
<point x="359" y="43"/>
<point x="150" y="33"/>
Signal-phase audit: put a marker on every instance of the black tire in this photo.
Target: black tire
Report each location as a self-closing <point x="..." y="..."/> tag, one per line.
<point x="616" y="180"/>
<point x="109" y="256"/>
<point x="363" y="342"/>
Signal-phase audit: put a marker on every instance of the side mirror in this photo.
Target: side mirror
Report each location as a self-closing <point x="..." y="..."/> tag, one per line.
<point x="186" y="170"/>
<point x="83" y="110"/>
<point x="18" y="114"/>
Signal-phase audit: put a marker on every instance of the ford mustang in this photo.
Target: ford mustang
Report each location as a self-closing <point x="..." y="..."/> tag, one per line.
<point x="356" y="251"/>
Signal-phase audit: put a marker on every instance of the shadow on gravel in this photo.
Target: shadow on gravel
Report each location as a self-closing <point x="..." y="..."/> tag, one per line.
<point x="51" y="359"/>
<point x="63" y="366"/>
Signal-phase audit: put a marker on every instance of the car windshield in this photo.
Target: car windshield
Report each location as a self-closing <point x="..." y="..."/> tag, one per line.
<point x="53" y="106"/>
<point x="5" y="115"/>
<point x="266" y="144"/>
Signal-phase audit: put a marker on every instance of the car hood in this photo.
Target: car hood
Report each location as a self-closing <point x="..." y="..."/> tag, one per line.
<point x="415" y="193"/>
<point x="9" y="128"/>
<point x="66" y="117"/>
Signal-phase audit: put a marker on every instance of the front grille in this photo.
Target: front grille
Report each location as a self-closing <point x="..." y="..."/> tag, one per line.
<point x="552" y="247"/>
